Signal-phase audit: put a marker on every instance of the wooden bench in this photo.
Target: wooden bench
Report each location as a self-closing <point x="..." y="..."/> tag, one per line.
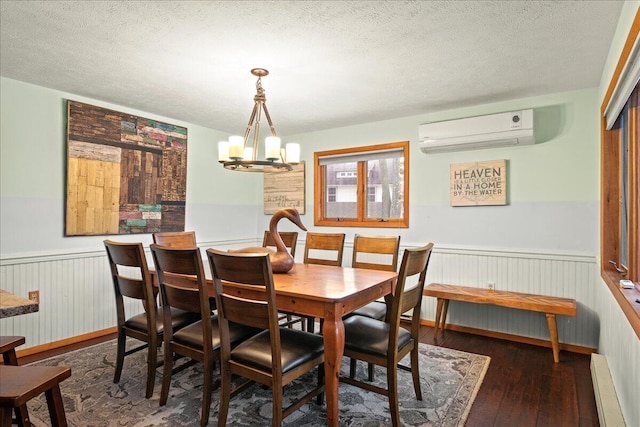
<point x="544" y="304"/>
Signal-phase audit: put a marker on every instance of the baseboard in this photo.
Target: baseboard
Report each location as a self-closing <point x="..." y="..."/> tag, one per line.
<point x="609" y="412"/>
<point x="65" y="342"/>
<point x="511" y="337"/>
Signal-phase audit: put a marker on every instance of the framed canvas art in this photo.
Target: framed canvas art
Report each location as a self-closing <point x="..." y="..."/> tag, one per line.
<point x="125" y="174"/>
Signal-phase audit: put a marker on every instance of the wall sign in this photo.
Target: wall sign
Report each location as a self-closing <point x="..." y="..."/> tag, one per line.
<point x="125" y="174"/>
<point x="478" y="183"/>
<point x="285" y="190"/>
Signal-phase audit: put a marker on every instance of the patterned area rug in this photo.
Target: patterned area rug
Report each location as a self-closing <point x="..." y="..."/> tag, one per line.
<point x="450" y="381"/>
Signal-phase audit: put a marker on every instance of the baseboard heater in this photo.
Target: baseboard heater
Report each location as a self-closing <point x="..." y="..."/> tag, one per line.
<point x="609" y="412"/>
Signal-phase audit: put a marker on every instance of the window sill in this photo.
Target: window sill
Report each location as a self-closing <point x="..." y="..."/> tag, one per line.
<point x="626" y="298"/>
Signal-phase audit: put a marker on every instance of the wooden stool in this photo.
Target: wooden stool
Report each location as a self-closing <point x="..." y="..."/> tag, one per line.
<point x="22" y="383"/>
<point x="8" y="346"/>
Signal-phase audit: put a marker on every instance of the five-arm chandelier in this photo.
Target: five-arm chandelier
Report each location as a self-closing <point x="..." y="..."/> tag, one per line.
<point x="241" y="154"/>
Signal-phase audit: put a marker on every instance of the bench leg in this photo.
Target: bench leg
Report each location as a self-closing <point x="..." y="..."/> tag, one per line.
<point x="445" y="308"/>
<point x="553" y="334"/>
<point x="56" y="407"/>
<point x="441" y="316"/>
<point x="438" y="314"/>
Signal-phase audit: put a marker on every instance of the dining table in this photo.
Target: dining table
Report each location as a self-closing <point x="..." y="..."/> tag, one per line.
<point x="328" y="293"/>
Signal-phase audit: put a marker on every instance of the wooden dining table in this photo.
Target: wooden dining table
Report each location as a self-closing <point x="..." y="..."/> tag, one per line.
<point x="328" y="293"/>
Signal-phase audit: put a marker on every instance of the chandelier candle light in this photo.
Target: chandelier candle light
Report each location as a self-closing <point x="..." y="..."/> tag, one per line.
<point x="239" y="155"/>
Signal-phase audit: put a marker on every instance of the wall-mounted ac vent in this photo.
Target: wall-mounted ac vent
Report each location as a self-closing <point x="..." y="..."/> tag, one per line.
<point x="493" y="130"/>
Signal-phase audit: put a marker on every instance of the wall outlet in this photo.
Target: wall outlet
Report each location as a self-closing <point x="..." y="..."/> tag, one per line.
<point x="491" y="286"/>
<point x="34" y="296"/>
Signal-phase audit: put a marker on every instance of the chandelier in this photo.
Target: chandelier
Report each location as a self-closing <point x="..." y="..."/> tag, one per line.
<point x="241" y="153"/>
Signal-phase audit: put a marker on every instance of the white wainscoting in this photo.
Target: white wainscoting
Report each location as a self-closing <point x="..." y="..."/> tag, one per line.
<point x="76" y="293"/>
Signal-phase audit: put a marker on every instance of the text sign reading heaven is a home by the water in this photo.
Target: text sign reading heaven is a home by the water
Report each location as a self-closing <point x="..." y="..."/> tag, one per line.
<point x="479" y="183"/>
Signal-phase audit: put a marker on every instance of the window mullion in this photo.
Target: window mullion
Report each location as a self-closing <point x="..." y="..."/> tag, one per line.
<point x="362" y="182"/>
<point x="633" y="184"/>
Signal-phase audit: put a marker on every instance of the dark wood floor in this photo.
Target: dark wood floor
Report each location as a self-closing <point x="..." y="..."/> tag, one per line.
<point x="523" y="386"/>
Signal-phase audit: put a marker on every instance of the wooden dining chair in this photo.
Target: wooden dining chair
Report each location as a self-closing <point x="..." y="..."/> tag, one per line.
<point x="385" y="344"/>
<point x="134" y="281"/>
<point x="176" y="239"/>
<point x="323" y="249"/>
<point x="22" y="383"/>
<point x="199" y="341"/>
<point x="289" y="238"/>
<point x="8" y="346"/>
<point x="274" y="357"/>
<point x="375" y="253"/>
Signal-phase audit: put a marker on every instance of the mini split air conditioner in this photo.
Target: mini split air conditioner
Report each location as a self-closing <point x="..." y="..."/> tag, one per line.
<point x="494" y="130"/>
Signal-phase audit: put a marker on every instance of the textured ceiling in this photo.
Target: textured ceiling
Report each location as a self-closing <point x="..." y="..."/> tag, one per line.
<point x="332" y="63"/>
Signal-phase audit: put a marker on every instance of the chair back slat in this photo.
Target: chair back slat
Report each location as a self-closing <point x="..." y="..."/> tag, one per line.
<point x="178" y="239"/>
<point x="384" y="247"/>
<point x="131" y="288"/>
<point x="183" y="298"/>
<point x="289" y="238"/>
<point x="243" y="312"/>
<point x="325" y="243"/>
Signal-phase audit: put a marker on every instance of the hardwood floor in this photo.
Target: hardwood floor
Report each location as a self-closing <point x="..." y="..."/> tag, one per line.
<point x="523" y="386"/>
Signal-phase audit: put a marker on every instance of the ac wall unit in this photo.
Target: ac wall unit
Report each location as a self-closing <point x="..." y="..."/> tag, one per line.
<point x="472" y="133"/>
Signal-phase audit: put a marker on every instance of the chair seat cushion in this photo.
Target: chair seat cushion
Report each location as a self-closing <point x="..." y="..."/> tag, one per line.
<point x="298" y="347"/>
<point x="373" y="310"/>
<point x="179" y="319"/>
<point x="371" y="336"/>
<point x="191" y="335"/>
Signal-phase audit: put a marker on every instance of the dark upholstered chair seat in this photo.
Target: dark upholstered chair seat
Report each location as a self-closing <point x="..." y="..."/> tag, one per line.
<point x="373" y="310"/>
<point x="192" y="335"/>
<point x="179" y="319"/>
<point x="371" y="336"/>
<point x="297" y="348"/>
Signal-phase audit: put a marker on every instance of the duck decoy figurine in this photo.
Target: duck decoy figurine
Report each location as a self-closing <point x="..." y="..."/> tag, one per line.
<point x="281" y="259"/>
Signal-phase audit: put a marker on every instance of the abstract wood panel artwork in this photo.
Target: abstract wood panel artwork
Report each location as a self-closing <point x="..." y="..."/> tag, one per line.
<point x="125" y="174"/>
<point x="284" y="190"/>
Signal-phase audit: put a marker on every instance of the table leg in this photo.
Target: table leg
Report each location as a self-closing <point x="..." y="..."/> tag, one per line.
<point x="553" y="334"/>
<point x="333" y="334"/>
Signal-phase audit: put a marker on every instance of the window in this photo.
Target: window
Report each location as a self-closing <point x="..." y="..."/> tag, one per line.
<point x="331" y="194"/>
<point x="371" y="193"/>
<point x="620" y="177"/>
<point x="363" y="186"/>
<point x="349" y="174"/>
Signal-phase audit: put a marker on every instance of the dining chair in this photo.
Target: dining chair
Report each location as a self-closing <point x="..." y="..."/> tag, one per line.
<point x="176" y="239"/>
<point x="375" y="253"/>
<point x="386" y="343"/>
<point x="131" y="279"/>
<point x="274" y="357"/>
<point x="199" y="341"/>
<point x="20" y="384"/>
<point x="289" y="238"/>
<point x="8" y="346"/>
<point x="323" y="249"/>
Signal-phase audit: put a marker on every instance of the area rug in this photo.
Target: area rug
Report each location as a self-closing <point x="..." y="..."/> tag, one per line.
<point x="450" y="380"/>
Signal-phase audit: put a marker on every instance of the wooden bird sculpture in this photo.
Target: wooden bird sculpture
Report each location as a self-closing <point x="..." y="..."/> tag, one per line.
<point x="281" y="259"/>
